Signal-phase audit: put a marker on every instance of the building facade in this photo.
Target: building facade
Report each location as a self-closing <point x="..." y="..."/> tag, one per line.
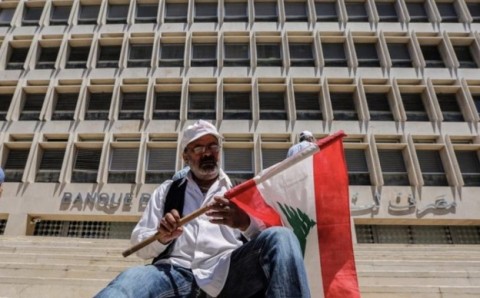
<point x="94" y="95"/>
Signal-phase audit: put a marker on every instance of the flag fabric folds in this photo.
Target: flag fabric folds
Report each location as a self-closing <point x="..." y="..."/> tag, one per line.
<point x="308" y="192"/>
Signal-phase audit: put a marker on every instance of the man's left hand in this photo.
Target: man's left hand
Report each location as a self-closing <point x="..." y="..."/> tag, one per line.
<point x="227" y="213"/>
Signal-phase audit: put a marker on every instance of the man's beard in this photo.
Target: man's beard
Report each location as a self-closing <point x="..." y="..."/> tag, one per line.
<point x="207" y="168"/>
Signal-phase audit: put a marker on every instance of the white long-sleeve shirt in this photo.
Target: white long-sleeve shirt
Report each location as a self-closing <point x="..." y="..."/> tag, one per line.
<point x="204" y="247"/>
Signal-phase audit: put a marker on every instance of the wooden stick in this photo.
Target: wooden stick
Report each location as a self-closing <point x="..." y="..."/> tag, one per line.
<point x="154" y="237"/>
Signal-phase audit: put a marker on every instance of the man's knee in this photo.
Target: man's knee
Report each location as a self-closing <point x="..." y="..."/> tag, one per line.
<point x="281" y="238"/>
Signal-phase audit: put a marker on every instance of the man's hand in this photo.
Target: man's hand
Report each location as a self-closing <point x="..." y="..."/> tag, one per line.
<point x="169" y="228"/>
<point x="227" y="213"/>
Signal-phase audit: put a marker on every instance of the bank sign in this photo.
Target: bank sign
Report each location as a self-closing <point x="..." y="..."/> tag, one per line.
<point x="102" y="201"/>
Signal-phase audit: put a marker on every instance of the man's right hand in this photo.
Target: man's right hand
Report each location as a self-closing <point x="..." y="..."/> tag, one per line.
<point x="169" y="228"/>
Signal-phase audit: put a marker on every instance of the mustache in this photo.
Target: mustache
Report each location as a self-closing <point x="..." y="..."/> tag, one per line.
<point x="208" y="161"/>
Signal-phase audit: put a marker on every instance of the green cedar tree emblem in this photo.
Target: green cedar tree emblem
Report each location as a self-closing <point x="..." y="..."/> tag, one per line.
<point x="300" y="222"/>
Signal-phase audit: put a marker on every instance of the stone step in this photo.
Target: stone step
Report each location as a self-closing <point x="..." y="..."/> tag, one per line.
<point x="389" y="291"/>
<point x="69" y="259"/>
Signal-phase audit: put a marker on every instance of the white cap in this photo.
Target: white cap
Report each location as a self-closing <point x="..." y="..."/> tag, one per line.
<point x="305" y="134"/>
<point x="198" y="130"/>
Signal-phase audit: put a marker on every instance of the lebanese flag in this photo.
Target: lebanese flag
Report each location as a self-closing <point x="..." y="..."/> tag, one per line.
<point x="308" y="192"/>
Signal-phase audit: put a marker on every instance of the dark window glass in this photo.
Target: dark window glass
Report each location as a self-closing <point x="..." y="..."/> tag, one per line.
<point x="447" y="12"/>
<point x="32" y="106"/>
<point x="98" y="106"/>
<point x="65" y="106"/>
<point x="393" y="167"/>
<point x="432" y="56"/>
<point x="399" y="54"/>
<point x="205" y="12"/>
<point x="450" y="109"/>
<point x="272" y="106"/>
<point x="417" y="12"/>
<point x="160" y="164"/>
<point x="326" y="11"/>
<point x="476" y="101"/>
<point x="334" y="55"/>
<point x="5" y="100"/>
<point x="379" y="106"/>
<point x="47" y="58"/>
<point x="140" y="55"/>
<point x="236" y="12"/>
<point x="171" y="54"/>
<point x="358" y="173"/>
<point x="356" y="12"/>
<point x="237" y="54"/>
<point x="469" y="166"/>
<point x="307" y="105"/>
<point x="465" y="57"/>
<point x="17" y="58"/>
<point x="204" y="55"/>
<point x="15" y="164"/>
<point x="272" y="156"/>
<point x="60" y="15"/>
<point x="123" y="165"/>
<point x="167" y="106"/>
<point x="50" y="165"/>
<point x="414" y="108"/>
<point x="431" y="165"/>
<point x="78" y="57"/>
<point x="343" y="106"/>
<point x="176" y="12"/>
<point x="109" y="56"/>
<point x="269" y="54"/>
<point x="146" y="13"/>
<point x="31" y="16"/>
<point x="85" y="168"/>
<point x="202" y="105"/>
<point x="132" y="106"/>
<point x="117" y="14"/>
<point x="237" y="105"/>
<point x="265" y="11"/>
<point x="88" y="14"/>
<point x="474" y="8"/>
<point x="6" y="15"/>
<point x="367" y="55"/>
<point x="301" y="54"/>
<point x="386" y="11"/>
<point x="296" y="11"/>
<point x="238" y="163"/>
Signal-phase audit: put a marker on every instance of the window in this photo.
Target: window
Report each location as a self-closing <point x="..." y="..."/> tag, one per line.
<point x="15" y="164"/>
<point x="393" y="167"/>
<point x="205" y="12"/>
<point x="447" y="12"/>
<point x="32" y="106"/>
<point x="343" y="106"/>
<point x="379" y="107"/>
<point x="236" y="12"/>
<point x="387" y="11"/>
<point x="50" y="165"/>
<point x="272" y="106"/>
<point x="238" y="163"/>
<point x="476" y="101"/>
<point x="132" y="106"/>
<point x="432" y="56"/>
<point x="414" y="107"/>
<point x="334" y="55"/>
<point x="65" y="106"/>
<point x="432" y="168"/>
<point x="465" y="57"/>
<point x="450" y="109"/>
<point x="417" y="12"/>
<point x="5" y="100"/>
<point x="399" y="54"/>
<point x="474" y="8"/>
<point x="117" y="14"/>
<point x="296" y="11"/>
<point x="204" y="54"/>
<point x="60" y="15"/>
<point x="6" y="15"/>
<point x="167" y="106"/>
<point x="85" y="167"/>
<point x="265" y="11"/>
<point x="237" y="105"/>
<point x="269" y="54"/>
<point x="326" y="11"/>
<point x="98" y="106"/>
<point x="47" y="58"/>
<point x="469" y="164"/>
<point x="109" y="56"/>
<point x="358" y="173"/>
<point x="356" y="12"/>
<point x="31" y="16"/>
<point x="272" y="156"/>
<point x="160" y="164"/>
<point x="123" y="165"/>
<point x="140" y="55"/>
<point x="301" y="54"/>
<point x="176" y="12"/>
<point x="146" y="13"/>
<point x="367" y="55"/>
<point x="88" y="14"/>
<point x="307" y="105"/>
<point x="17" y="58"/>
<point x="78" y="57"/>
<point x="172" y="55"/>
<point x="201" y="105"/>
<point x="237" y="54"/>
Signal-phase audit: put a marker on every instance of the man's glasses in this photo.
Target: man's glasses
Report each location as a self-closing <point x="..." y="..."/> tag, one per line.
<point x="201" y="149"/>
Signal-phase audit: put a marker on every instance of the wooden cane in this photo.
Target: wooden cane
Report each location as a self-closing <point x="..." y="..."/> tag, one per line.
<point x="154" y="237"/>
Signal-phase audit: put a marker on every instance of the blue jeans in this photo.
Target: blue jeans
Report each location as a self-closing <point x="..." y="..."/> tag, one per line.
<point x="271" y="264"/>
